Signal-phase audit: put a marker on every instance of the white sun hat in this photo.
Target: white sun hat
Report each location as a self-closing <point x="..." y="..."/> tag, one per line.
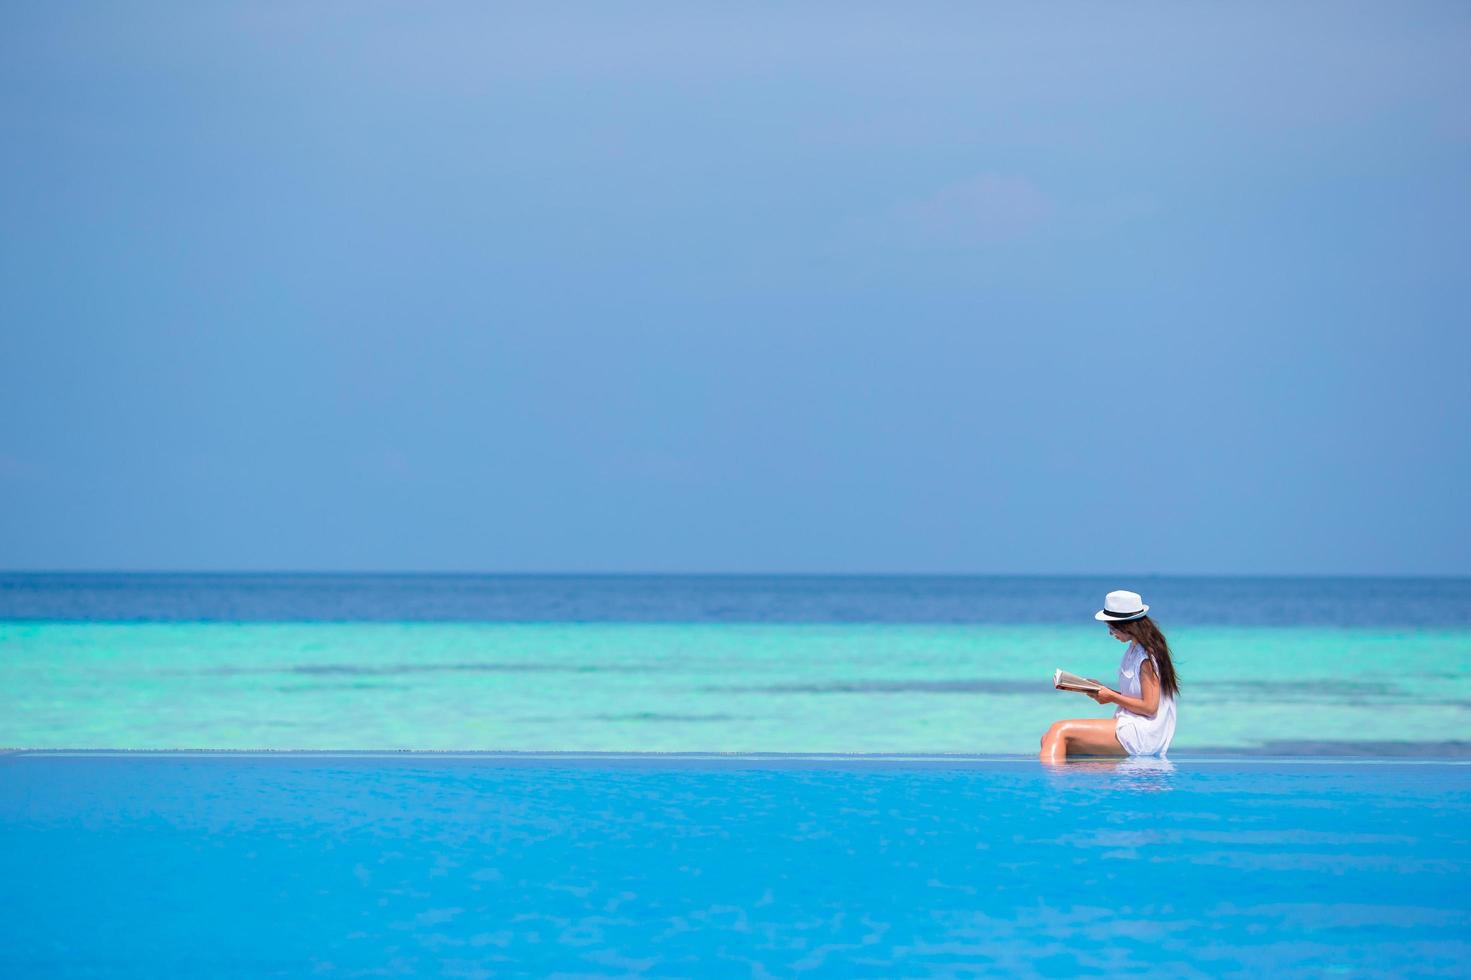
<point x="1121" y="606"/>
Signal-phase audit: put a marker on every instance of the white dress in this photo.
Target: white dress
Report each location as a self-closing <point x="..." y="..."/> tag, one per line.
<point x="1142" y="734"/>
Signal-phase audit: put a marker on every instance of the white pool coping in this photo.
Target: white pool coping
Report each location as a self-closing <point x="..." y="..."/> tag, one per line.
<point x="775" y="759"/>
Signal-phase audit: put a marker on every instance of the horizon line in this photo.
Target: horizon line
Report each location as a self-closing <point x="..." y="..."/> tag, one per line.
<point x="431" y="573"/>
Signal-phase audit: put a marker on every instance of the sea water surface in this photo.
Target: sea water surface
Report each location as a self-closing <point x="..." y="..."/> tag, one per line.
<point x="714" y="663"/>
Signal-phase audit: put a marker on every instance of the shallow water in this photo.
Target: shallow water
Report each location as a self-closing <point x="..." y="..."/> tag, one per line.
<point x="787" y="687"/>
<point x="713" y="663"/>
<point x="485" y="866"/>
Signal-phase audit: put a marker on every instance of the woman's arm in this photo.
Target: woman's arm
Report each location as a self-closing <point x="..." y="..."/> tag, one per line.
<point x="1148" y="704"/>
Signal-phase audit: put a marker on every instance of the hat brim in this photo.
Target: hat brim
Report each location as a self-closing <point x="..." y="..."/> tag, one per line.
<point x="1104" y="616"/>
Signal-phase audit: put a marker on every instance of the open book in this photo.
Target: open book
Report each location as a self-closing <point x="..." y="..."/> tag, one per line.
<point x="1064" y="681"/>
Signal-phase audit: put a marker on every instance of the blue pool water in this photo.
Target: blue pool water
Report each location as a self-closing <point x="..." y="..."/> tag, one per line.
<point x="485" y="865"/>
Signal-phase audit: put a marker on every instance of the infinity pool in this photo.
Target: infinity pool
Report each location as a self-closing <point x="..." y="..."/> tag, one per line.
<point x="496" y="865"/>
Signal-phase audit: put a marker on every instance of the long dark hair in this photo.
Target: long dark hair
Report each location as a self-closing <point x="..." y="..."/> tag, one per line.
<point x="1143" y="632"/>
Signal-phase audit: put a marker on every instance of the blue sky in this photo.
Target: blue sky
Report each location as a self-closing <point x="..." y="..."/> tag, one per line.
<point x="752" y="287"/>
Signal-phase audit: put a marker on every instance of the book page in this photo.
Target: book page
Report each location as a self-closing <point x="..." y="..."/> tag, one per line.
<point x="1065" y="681"/>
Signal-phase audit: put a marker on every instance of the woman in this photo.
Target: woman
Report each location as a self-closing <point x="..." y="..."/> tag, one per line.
<point x="1144" y="721"/>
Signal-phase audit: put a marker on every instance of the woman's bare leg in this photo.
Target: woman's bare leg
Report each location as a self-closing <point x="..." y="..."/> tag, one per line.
<point x="1080" y="736"/>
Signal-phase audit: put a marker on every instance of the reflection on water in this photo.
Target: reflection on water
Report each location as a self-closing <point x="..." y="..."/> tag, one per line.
<point x="1144" y="774"/>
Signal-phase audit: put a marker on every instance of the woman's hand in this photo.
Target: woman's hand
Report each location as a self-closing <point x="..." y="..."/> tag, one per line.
<point x="1104" y="696"/>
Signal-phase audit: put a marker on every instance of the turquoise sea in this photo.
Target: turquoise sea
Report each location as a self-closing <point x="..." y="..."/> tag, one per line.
<point x="714" y="664"/>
